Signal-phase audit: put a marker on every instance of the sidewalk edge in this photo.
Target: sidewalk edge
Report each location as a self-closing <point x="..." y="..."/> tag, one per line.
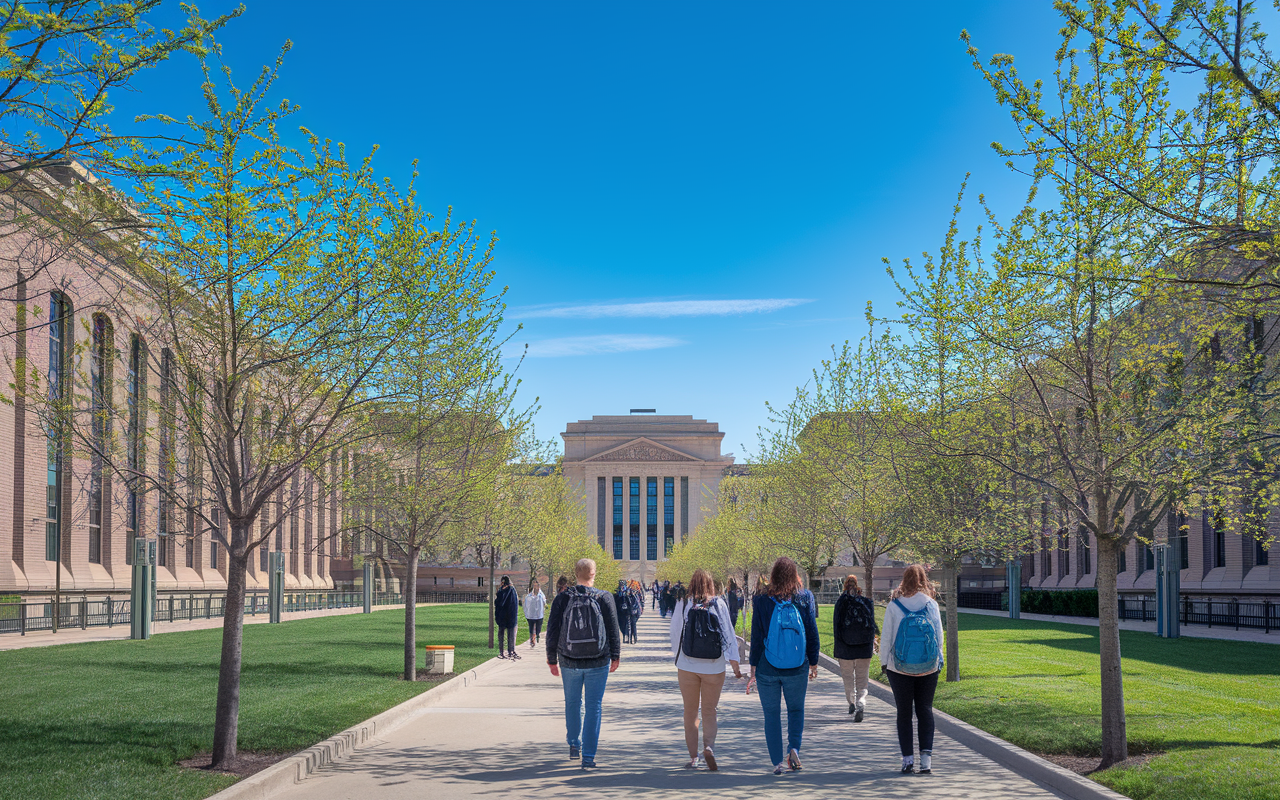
<point x="296" y="768"/>
<point x="1063" y="781"/>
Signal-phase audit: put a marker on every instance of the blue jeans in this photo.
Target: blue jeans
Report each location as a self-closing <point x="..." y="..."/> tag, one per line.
<point x="772" y="688"/>
<point x="580" y="733"/>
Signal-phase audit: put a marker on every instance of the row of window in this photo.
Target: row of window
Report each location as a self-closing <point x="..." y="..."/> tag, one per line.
<point x="628" y="492"/>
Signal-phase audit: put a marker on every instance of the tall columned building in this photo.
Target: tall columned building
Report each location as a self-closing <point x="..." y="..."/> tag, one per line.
<point x="647" y="479"/>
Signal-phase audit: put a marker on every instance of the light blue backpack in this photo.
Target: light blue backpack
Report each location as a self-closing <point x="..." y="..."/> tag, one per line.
<point x="784" y="645"/>
<point x="915" y="645"/>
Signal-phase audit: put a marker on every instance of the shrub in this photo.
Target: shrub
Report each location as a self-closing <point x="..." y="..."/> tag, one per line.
<point x="1061" y="602"/>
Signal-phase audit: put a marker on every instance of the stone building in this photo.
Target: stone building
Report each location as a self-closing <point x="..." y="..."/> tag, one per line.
<point x="648" y="479"/>
<point x="69" y="314"/>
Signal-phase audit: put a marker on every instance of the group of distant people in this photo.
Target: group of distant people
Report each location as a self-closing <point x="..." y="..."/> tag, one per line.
<point x="586" y="627"/>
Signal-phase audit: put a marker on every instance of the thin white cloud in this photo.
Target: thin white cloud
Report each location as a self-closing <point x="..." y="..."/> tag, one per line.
<point x="661" y="309"/>
<point x="591" y="345"/>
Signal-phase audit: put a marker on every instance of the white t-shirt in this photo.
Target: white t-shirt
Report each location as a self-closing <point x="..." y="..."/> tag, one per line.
<point x="728" y="640"/>
<point x="892" y="618"/>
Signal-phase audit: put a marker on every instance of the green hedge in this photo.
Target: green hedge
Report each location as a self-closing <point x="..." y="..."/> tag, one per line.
<point x="1064" y="602"/>
<point x="9" y="611"/>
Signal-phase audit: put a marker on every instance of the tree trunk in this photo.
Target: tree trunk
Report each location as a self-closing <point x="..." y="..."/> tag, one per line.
<point x="493" y="592"/>
<point x="1115" y="740"/>
<point x="951" y="589"/>
<point x="411" y="617"/>
<point x="226" y="720"/>
<point x="868" y="577"/>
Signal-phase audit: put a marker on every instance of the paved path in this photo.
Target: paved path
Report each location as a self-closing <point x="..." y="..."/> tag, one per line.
<point x="16" y="641"/>
<point x="504" y="737"/>
<point x="1192" y="631"/>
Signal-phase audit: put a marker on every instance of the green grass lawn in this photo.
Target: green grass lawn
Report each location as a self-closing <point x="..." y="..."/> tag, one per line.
<point x="1211" y="707"/>
<point x="111" y="719"/>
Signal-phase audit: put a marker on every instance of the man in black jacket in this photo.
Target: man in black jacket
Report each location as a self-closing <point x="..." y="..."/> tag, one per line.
<point x="583" y="674"/>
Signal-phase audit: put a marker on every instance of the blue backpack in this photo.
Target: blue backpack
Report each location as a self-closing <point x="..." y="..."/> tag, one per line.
<point x="784" y="645"/>
<point x="915" y="645"/>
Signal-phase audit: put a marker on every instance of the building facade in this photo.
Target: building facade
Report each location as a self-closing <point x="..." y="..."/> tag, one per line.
<point x="648" y="480"/>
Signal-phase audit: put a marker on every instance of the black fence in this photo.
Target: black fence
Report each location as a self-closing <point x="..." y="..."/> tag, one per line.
<point x="107" y="611"/>
<point x="1264" y="616"/>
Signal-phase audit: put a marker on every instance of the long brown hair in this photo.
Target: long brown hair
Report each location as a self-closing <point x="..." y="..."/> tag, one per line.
<point x="784" y="579"/>
<point x="851" y="584"/>
<point x="701" y="586"/>
<point x="915" y="579"/>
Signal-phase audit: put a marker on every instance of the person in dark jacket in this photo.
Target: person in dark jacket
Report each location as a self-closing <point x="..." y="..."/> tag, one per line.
<point x="505" y="606"/>
<point x="855" y="659"/>
<point x="583" y="676"/>
<point x="734" y="598"/>
<point x="779" y="682"/>
<point x="622" y="603"/>
<point x="637" y="608"/>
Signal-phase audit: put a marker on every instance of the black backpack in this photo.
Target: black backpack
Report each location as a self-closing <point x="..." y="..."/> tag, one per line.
<point x="700" y="637"/>
<point x="858" y="626"/>
<point x="582" y="633"/>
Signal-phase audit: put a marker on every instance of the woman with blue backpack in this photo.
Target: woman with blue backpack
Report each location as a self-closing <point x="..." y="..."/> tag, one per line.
<point x="911" y="654"/>
<point x="855" y="632"/>
<point x="784" y="640"/>
<point x="702" y="642"/>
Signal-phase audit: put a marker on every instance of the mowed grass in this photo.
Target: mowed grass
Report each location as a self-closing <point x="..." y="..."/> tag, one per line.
<point x="1211" y="707"/>
<point x="111" y="719"/>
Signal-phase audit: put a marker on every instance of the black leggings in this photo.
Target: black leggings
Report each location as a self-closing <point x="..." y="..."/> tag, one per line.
<point x="535" y="628"/>
<point x="908" y="691"/>
<point x="510" y="633"/>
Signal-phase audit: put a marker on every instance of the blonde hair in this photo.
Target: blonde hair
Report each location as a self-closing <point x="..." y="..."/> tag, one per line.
<point x="584" y="569"/>
<point x="915" y="579"/>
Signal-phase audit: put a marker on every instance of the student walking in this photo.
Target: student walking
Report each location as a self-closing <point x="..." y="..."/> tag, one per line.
<point x="637" y="609"/>
<point x="583" y="647"/>
<point x="622" y="602"/>
<point x="504" y="614"/>
<point x="535" y="608"/>
<point x="702" y="641"/>
<point x="733" y="596"/>
<point x="784" y="637"/>
<point x="911" y="654"/>
<point x="855" y="629"/>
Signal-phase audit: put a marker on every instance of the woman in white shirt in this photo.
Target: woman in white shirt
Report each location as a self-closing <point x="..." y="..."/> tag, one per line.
<point x="913" y="685"/>
<point x="702" y="679"/>
<point x="535" y="608"/>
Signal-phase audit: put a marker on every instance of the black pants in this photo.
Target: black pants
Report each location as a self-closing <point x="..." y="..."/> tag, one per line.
<point x="917" y="691"/>
<point x="535" y="628"/>
<point x="510" y="633"/>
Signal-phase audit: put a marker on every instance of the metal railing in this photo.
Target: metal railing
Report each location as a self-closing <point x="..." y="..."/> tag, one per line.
<point x="108" y="611"/>
<point x="1264" y="616"/>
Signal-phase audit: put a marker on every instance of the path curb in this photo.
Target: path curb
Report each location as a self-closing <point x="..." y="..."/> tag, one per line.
<point x="295" y="769"/>
<point x="1046" y="773"/>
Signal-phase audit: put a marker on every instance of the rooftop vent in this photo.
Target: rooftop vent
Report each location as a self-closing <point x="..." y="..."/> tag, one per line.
<point x="644" y="411"/>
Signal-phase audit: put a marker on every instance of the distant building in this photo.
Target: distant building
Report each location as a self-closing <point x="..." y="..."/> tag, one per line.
<point x="647" y="479"/>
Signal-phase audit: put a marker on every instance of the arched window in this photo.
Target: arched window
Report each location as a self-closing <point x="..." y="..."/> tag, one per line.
<point x="102" y="349"/>
<point x="136" y="393"/>
<point x="59" y="391"/>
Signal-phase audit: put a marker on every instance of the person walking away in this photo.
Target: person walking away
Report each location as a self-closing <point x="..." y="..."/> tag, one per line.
<point x="535" y="608"/>
<point x="622" y="602"/>
<point x="561" y="585"/>
<point x="855" y="629"/>
<point x="504" y="614"/>
<point x="784" y="636"/>
<point x="637" y="609"/>
<point x="911" y="654"/>
<point x="654" y="591"/>
<point x="733" y="596"/>
<point x="664" y="601"/>
<point x="583" y="647"/>
<point x="702" y="641"/>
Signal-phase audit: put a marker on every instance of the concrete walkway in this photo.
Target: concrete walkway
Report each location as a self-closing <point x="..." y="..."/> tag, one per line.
<point x="1191" y="631"/>
<point x="504" y="737"/>
<point x="15" y="641"/>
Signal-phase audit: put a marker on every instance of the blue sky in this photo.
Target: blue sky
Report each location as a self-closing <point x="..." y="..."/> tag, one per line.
<point x="692" y="199"/>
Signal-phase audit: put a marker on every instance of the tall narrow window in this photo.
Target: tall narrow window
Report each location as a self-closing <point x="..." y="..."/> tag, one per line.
<point x="668" y="515"/>
<point x="215" y="516"/>
<point x="1178" y="538"/>
<point x="602" y="501"/>
<point x="1084" y="555"/>
<point x="59" y="392"/>
<point x="1148" y="557"/>
<point x="617" y="519"/>
<point x="1064" y="554"/>
<point x="1213" y="523"/>
<point x="100" y="407"/>
<point x="684" y="508"/>
<point x="1261" y="556"/>
<point x="165" y="528"/>
<point x="1123" y="566"/>
<point x="135" y="394"/>
<point x="633" y="532"/>
<point x="651" y="519"/>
